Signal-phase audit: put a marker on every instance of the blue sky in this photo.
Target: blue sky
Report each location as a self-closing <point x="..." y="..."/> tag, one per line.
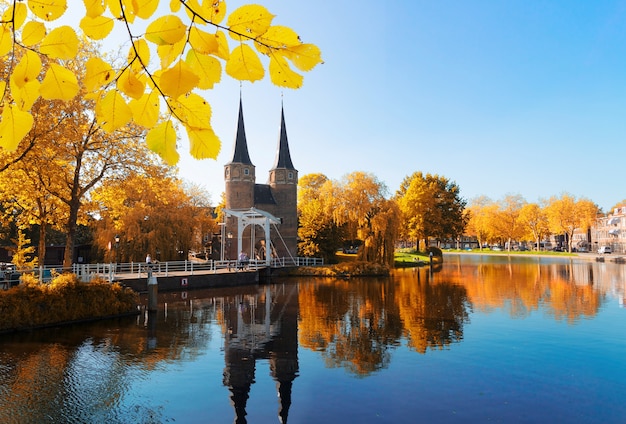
<point x="501" y="97"/>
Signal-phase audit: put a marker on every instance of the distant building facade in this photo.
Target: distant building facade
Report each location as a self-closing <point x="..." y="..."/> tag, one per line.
<point x="610" y="230"/>
<point x="278" y="197"/>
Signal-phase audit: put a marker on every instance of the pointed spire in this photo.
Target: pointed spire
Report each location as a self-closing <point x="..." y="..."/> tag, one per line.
<point x="283" y="157"/>
<point x="240" y="153"/>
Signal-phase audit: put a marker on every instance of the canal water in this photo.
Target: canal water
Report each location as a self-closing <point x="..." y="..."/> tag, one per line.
<point x="479" y="339"/>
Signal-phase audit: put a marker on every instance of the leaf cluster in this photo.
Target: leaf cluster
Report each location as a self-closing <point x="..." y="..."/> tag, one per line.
<point x="192" y="53"/>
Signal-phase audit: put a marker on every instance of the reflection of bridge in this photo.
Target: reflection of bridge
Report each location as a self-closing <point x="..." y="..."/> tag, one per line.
<point x="261" y="327"/>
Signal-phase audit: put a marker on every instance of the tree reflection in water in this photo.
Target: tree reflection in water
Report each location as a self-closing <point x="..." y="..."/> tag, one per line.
<point x="88" y="372"/>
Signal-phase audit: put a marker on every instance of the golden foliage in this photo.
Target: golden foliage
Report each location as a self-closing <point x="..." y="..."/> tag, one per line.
<point x="344" y="269"/>
<point x="65" y="299"/>
<point x="189" y="57"/>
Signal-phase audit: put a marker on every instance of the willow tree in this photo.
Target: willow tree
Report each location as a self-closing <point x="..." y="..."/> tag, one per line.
<point x="173" y="54"/>
<point x="361" y="205"/>
<point x="149" y="213"/>
<point x="318" y="233"/>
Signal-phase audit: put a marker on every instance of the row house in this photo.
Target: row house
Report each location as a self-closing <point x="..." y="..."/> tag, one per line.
<point x="610" y="231"/>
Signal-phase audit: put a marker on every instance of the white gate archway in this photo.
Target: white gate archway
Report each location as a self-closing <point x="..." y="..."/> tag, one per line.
<point x="253" y="216"/>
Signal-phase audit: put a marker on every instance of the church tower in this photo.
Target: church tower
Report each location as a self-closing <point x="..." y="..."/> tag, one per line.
<point x="239" y="173"/>
<point x="283" y="180"/>
<point x="279" y="197"/>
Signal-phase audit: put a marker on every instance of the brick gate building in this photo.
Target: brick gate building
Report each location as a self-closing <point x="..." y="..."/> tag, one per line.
<point x="278" y="197"/>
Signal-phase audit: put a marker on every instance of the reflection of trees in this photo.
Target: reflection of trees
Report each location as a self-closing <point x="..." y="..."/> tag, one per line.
<point x="433" y="314"/>
<point x="353" y="323"/>
<point x="565" y="289"/>
<point x="82" y="371"/>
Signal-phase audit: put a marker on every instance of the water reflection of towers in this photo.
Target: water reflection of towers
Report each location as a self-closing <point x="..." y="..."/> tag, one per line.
<point x="263" y="326"/>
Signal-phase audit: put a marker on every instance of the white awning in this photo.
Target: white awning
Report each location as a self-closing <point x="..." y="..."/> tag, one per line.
<point x="614" y="220"/>
<point x="614" y="231"/>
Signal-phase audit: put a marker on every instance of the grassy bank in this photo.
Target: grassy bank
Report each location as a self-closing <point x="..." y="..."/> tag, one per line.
<point x="343" y="269"/>
<point x="63" y="300"/>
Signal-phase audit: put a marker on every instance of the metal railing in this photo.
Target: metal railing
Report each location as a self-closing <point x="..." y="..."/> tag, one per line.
<point x="113" y="271"/>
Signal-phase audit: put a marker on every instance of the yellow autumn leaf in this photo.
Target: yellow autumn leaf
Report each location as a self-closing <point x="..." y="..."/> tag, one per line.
<point x="250" y="21"/>
<point x="59" y="83"/>
<point x="277" y="37"/>
<point x="193" y="110"/>
<point x="178" y="80"/>
<point x="168" y="53"/>
<point x="214" y="10"/>
<point x="98" y="74"/>
<point x="207" y="68"/>
<point x="282" y="75"/>
<point x="146" y="8"/>
<point x="244" y="64"/>
<point x="97" y="28"/>
<point x="304" y="56"/>
<point x="33" y="33"/>
<point x="6" y="39"/>
<point x="27" y="69"/>
<point x="140" y="50"/>
<point x="203" y="41"/>
<point x="116" y="9"/>
<point x="203" y="143"/>
<point x="17" y="15"/>
<point x="94" y="8"/>
<point x="162" y="140"/>
<point x="129" y="6"/>
<point x="61" y="43"/>
<point x="48" y="10"/>
<point x="175" y="5"/>
<point x="112" y="112"/>
<point x="166" y="30"/>
<point x="129" y="84"/>
<point x="26" y="95"/>
<point x="3" y="87"/>
<point x="14" y="126"/>
<point x="146" y="109"/>
<point x="223" y="51"/>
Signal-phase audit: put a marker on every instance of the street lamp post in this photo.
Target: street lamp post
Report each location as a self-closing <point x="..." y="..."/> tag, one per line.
<point x="230" y="237"/>
<point x="117" y="248"/>
<point x="222" y="241"/>
<point x="117" y="252"/>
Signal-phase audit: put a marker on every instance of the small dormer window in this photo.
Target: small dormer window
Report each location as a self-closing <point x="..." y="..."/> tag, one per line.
<point x="246" y="171"/>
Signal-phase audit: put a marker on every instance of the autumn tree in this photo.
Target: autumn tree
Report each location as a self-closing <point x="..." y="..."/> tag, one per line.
<point x="150" y="213"/>
<point x="507" y="222"/>
<point x="26" y="203"/>
<point x="478" y="224"/>
<point x="431" y="206"/>
<point x="362" y="207"/>
<point x="318" y="233"/>
<point x="192" y="52"/>
<point x="534" y="222"/>
<point x="566" y="214"/>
